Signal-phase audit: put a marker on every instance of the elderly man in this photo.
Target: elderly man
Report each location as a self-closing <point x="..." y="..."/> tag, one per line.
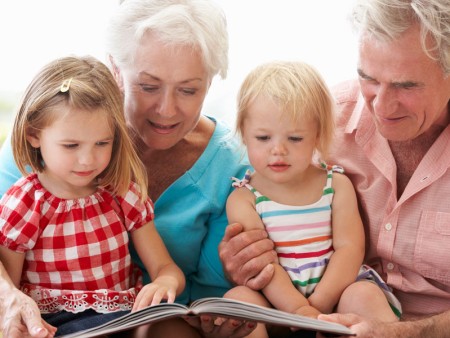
<point x="393" y="140"/>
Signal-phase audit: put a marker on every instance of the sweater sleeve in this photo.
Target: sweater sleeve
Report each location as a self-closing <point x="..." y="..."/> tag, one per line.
<point x="9" y="173"/>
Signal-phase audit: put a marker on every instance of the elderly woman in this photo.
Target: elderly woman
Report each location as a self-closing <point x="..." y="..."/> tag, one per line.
<point x="164" y="55"/>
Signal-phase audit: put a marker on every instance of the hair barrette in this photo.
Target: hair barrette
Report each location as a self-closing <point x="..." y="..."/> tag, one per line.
<point x="66" y="85"/>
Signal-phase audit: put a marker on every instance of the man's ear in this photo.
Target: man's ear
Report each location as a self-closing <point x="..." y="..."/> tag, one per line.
<point x="33" y="138"/>
<point x="116" y="73"/>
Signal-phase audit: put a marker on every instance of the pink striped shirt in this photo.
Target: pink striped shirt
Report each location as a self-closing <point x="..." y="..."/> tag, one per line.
<point x="410" y="237"/>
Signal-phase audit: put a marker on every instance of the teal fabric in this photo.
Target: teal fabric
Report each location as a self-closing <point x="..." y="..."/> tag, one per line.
<point x="191" y="218"/>
<point x="9" y="173"/>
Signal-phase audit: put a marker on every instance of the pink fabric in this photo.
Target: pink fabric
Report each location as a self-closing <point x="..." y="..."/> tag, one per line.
<point x="76" y="251"/>
<point x="409" y="238"/>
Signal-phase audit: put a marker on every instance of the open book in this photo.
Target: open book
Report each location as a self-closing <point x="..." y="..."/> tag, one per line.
<point x="220" y="307"/>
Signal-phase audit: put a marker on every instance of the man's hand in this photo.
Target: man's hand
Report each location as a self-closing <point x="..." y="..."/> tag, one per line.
<point x="247" y="256"/>
<point x="365" y="328"/>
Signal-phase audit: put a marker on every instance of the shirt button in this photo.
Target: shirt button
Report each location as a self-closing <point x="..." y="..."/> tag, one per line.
<point x="390" y="266"/>
<point x="388" y="226"/>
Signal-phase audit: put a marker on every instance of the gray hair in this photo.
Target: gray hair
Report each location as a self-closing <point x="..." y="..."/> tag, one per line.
<point x="387" y="19"/>
<point x="197" y="23"/>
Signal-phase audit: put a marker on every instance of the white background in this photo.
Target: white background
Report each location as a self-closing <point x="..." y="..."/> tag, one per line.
<point x="316" y="31"/>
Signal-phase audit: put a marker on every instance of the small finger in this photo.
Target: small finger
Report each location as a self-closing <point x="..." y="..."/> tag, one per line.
<point x="144" y="297"/>
<point x="171" y="295"/>
<point x="158" y="296"/>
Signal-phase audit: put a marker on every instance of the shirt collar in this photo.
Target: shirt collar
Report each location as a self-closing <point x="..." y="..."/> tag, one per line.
<point x="356" y="115"/>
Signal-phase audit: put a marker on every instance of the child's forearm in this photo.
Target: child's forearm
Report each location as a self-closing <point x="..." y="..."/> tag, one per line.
<point x="171" y="272"/>
<point x="341" y="271"/>
<point x="282" y="294"/>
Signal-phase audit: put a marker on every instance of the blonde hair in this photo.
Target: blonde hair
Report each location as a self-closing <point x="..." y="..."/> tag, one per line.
<point x="91" y="88"/>
<point x="298" y="89"/>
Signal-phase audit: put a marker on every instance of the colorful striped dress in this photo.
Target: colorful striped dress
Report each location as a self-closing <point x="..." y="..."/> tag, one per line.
<point x="302" y="234"/>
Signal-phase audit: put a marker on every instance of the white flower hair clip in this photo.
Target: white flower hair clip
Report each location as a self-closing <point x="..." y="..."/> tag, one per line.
<point x="66" y="85"/>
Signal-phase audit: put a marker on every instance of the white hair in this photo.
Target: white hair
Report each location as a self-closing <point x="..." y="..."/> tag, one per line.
<point x="197" y="23"/>
<point x="387" y="19"/>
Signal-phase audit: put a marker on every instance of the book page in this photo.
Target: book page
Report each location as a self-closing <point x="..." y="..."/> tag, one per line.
<point x="242" y="310"/>
<point x="220" y="307"/>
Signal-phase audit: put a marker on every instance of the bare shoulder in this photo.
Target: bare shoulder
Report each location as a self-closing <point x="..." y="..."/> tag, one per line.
<point x="241" y="208"/>
<point x="240" y="199"/>
<point x="344" y="192"/>
<point x="241" y="194"/>
<point x="341" y="182"/>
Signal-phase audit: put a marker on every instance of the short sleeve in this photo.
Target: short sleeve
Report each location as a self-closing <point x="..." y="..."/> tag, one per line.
<point x="135" y="213"/>
<point x="20" y="217"/>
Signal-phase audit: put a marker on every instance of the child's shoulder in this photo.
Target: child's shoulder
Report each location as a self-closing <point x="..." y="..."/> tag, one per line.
<point x="342" y="184"/>
<point x="22" y="196"/>
<point x="24" y="186"/>
<point x="131" y="200"/>
<point x="338" y="176"/>
<point x="240" y="193"/>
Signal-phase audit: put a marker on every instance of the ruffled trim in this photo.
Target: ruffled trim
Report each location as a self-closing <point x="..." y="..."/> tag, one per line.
<point x="239" y="183"/>
<point x="334" y="168"/>
<point x="102" y="301"/>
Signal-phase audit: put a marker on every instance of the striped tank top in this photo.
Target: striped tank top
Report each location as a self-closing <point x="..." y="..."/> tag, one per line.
<point x="302" y="234"/>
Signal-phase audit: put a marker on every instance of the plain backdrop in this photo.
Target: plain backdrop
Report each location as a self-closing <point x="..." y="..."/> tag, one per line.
<point x="315" y="31"/>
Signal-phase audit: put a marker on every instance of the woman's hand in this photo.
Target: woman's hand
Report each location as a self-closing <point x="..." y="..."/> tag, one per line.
<point x="20" y="316"/>
<point x="247" y="256"/>
<point x="212" y="327"/>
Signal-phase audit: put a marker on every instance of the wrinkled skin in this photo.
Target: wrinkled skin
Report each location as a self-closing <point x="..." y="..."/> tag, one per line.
<point x="21" y="317"/>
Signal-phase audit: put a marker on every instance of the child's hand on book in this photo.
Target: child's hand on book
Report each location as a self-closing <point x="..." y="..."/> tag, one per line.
<point x="162" y="288"/>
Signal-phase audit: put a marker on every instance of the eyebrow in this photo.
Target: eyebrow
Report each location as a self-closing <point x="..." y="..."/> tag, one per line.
<point x="159" y="79"/>
<point x="397" y="84"/>
<point x="109" y="138"/>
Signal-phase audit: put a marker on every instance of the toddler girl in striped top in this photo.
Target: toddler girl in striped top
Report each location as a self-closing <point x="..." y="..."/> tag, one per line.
<point x="309" y="209"/>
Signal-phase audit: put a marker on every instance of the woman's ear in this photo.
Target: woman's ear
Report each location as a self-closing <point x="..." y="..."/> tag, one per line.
<point x="33" y="138"/>
<point x="116" y="73"/>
